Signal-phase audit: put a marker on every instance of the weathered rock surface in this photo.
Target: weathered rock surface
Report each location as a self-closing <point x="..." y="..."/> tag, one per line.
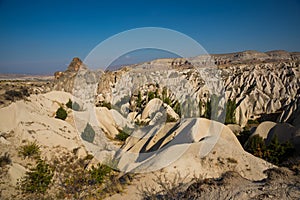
<point x="194" y="145"/>
<point x="260" y="83"/>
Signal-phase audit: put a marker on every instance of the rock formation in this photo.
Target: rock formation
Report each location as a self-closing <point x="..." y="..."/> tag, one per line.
<point x="158" y="109"/>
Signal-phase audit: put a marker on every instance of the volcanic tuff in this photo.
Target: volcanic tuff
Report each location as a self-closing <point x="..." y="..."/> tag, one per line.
<point x="157" y="106"/>
<point x="262" y="84"/>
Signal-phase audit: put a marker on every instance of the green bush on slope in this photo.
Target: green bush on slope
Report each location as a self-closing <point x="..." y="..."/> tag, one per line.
<point x="275" y="152"/>
<point x="37" y="179"/>
<point x="61" y="113"/>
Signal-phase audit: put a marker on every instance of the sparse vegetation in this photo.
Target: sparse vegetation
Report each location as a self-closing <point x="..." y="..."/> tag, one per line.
<point x="167" y="100"/>
<point x="275" y="152"/>
<point x="205" y="109"/>
<point x="177" y="108"/>
<point x="69" y="104"/>
<point x="74" y="106"/>
<point x="151" y="95"/>
<point x="252" y="121"/>
<point x="76" y="181"/>
<point x="124" y="133"/>
<point x="99" y="173"/>
<point x="170" y="119"/>
<point x="31" y="150"/>
<point x="61" y="113"/>
<point x="37" y="179"/>
<point x="168" y="188"/>
<point x="5" y="159"/>
<point x="244" y="136"/>
<point x="13" y="95"/>
<point x="106" y="104"/>
<point x="139" y="100"/>
<point x="88" y="134"/>
<point x="122" y="136"/>
<point x="210" y="107"/>
<point x="230" y="112"/>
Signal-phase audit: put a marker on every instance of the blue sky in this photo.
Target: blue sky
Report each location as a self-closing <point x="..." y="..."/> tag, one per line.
<point x="42" y="37"/>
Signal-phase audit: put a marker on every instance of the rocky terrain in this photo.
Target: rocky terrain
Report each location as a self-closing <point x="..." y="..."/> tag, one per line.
<point x="192" y="116"/>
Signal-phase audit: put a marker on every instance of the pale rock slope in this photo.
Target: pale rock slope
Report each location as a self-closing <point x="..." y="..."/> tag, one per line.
<point x="33" y="120"/>
<point x="195" y="146"/>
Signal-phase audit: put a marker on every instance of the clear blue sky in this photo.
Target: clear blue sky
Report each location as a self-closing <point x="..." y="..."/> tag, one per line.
<point x="43" y="36"/>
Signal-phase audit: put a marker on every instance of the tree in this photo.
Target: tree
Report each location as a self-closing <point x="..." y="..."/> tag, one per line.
<point x="207" y="112"/>
<point x="230" y="112"/>
<point x="275" y="152"/>
<point x="256" y="146"/>
<point x="139" y="100"/>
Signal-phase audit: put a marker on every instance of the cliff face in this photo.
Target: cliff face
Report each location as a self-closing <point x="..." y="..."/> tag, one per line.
<point x="262" y="84"/>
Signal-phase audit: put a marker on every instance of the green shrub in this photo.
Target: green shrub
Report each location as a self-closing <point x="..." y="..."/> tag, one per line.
<point x="105" y="104"/>
<point x="177" y="108"/>
<point x="122" y="136"/>
<point x="164" y="93"/>
<point x="253" y="121"/>
<point x="207" y="112"/>
<point x="5" y="160"/>
<point x="275" y="152"/>
<point x="76" y="181"/>
<point x="74" y="106"/>
<point x="139" y="100"/>
<point x="88" y="134"/>
<point x="210" y="108"/>
<point x="30" y="150"/>
<point x="170" y="119"/>
<point x="37" y="179"/>
<point x="69" y="104"/>
<point x="256" y="146"/>
<point x="230" y="112"/>
<point x="167" y="100"/>
<point x="13" y="95"/>
<point x="99" y="173"/>
<point x="61" y="113"/>
<point x="151" y="95"/>
<point x="244" y="136"/>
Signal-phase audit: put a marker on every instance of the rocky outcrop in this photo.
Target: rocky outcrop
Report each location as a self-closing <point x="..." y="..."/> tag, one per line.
<point x="64" y="81"/>
<point x="259" y="83"/>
